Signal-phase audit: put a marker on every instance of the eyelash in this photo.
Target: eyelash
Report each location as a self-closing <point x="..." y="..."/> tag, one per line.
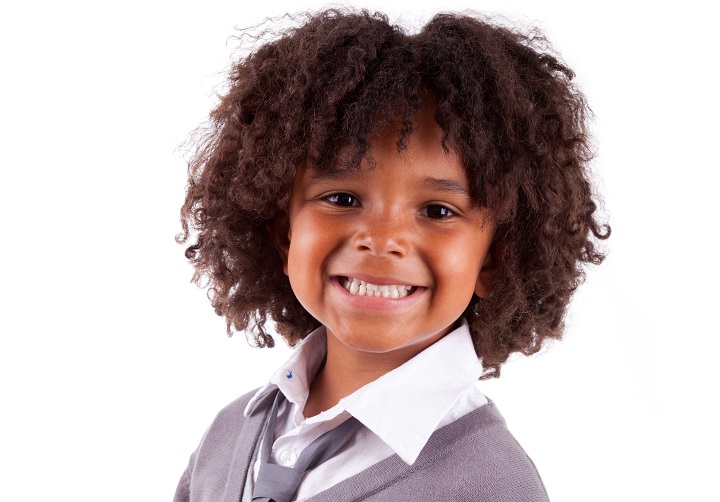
<point x="352" y="201"/>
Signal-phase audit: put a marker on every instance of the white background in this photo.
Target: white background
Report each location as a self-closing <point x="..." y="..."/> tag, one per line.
<point x="112" y="364"/>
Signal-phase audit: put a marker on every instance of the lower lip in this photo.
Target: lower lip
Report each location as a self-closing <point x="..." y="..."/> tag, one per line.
<point x="376" y="302"/>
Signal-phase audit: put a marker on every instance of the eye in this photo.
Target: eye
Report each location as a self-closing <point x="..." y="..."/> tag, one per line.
<point x="436" y="212"/>
<point x="343" y="199"/>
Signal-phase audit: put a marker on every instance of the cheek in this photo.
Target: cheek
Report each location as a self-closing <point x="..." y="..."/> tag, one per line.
<point x="457" y="260"/>
<point x="457" y="268"/>
<point x="301" y="261"/>
<point x="310" y="244"/>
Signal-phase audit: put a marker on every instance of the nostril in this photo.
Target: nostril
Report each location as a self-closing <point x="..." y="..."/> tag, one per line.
<point x="381" y="239"/>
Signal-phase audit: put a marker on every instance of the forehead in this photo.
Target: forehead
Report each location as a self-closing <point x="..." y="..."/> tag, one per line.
<point x="419" y="143"/>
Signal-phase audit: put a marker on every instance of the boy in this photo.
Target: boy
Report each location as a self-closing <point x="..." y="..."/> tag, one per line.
<point x="413" y="202"/>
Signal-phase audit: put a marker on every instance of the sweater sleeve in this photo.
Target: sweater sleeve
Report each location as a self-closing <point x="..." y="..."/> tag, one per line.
<point x="182" y="493"/>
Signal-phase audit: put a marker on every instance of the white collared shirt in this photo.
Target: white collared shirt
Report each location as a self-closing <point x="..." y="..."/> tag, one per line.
<point x="399" y="410"/>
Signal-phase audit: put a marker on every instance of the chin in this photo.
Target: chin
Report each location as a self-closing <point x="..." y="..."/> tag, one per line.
<point x="384" y="342"/>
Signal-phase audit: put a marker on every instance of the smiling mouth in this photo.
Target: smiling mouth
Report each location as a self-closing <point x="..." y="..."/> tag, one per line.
<point x="359" y="287"/>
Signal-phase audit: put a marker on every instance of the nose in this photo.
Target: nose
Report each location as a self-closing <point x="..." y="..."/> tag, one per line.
<point x="383" y="235"/>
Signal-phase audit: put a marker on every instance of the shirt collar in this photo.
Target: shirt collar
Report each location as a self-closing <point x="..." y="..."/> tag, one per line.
<point x="295" y="376"/>
<point x="402" y="407"/>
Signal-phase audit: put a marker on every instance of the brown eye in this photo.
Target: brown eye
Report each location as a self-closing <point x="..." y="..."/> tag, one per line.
<point x="436" y="211"/>
<point x="343" y="199"/>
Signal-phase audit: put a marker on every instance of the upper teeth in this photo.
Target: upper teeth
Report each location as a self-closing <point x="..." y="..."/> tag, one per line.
<point x="362" y="288"/>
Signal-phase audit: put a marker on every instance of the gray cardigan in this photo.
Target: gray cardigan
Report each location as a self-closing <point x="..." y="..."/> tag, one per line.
<point x="472" y="459"/>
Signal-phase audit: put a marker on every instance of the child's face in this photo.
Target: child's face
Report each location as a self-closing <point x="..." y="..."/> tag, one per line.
<point x="406" y="227"/>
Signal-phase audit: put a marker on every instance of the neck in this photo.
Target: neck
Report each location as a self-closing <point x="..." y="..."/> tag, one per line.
<point x="345" y="371"/>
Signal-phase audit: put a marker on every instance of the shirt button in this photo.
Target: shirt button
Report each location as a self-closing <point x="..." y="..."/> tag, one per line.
<point x="288" y="458"/>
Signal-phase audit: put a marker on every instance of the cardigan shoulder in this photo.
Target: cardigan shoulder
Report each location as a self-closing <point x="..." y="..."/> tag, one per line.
<point x="472" y="459"/>
<point x="218" y="468"/>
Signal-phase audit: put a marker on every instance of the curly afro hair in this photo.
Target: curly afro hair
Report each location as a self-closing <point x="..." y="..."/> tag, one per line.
<point x="506" y="105"/>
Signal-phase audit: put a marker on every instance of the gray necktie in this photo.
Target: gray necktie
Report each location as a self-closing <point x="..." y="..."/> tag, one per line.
<point x="279" y="483"/>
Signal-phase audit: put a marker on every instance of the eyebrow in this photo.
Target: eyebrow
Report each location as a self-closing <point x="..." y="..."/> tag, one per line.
<point x="439" y="184"/>
<point x="445" y="185"/>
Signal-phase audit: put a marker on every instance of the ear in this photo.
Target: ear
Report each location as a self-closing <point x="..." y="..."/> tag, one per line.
<point x="279" y="230"/>
<point x="488" y="271"/>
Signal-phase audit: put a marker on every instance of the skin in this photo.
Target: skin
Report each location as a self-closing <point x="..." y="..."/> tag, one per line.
<point x="409" y="220"/>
